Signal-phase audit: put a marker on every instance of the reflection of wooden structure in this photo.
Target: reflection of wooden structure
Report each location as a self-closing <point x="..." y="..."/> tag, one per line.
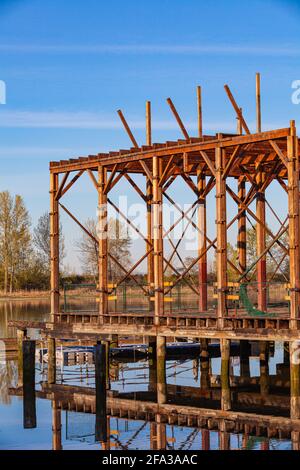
<point x="82" y="400"/>
<point x="205" y="163"/>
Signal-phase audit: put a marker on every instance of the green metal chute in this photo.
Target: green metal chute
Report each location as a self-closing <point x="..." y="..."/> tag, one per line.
<point x="248" y="305"/>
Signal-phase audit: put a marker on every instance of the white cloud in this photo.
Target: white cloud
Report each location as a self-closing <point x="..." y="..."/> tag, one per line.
<point x="89" y="120"/>
<point x="179" y="49"/>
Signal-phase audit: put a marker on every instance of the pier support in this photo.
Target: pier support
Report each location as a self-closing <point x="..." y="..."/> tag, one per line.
<point x="204" y="364"/>
<point x="21" y="334"/>
<point x="161" y="370"/>
<point x="158" y="242"/>
<point x="205" y="439"/>
<point x="202" y="242"/>
<point x="54" y="246"/>
<point x="261" y="245"/>
<point x="161" y="434"/>
<point x="56" y="426"/>
<point x="242" y="227"/>
<point x="51" y="360"/>
<point x="29" y="409"/>
<point x="102" y="248"/>
<point x="295" y="379"/>
<point x="224" y="436"/>
<point x="221" y="251"/>
<point x="264" y="368"/>
<point x="100" y="379"/>
<point x="245" y="351"/>
<point x="293" y="212"/>
<point x="225" y="384"/>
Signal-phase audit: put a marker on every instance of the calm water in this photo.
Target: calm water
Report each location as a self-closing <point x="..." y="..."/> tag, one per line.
<point x="130" y="380"/>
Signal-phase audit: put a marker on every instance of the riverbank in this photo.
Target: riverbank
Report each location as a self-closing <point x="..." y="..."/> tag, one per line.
<point x="25" y="294"/>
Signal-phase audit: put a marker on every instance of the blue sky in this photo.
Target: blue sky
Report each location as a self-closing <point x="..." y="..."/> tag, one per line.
<point x="68" y="66"/>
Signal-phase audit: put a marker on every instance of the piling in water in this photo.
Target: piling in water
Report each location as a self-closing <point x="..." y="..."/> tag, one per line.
<point x="100" y="378"/>
<point x="29" y="409"/>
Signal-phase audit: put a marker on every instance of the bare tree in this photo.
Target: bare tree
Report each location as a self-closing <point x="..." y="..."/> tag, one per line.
<point x="118" y="246"/>
<point x="41" y="239"/>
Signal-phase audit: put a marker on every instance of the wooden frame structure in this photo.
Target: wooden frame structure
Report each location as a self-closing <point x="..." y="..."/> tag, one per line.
<point x="203" y="162"/>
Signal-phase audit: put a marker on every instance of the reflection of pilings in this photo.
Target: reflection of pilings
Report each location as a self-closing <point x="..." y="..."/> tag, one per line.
<point x="161" y="370"/>
<point x="295" y="438"/>
<point x="205" y="439"/>
<point x="245" y="351"/>
<point x="29" y="410"/>
<point x="294" y="379"/>
<point x="20" y="337"/>
<point x="161" y="433"/>
<point x="51" y="361"/>
<point x="56" y="427"/>
<point x="286" y="353"/>
<point x="204" y="364"/>
<point x="224" y="436"/>
<point x="265" y="445"/>
<point x="225" y="359"/>
<point x="100" y="379"/>
<point x="152" y="346"/>
<point x="264" y="367"/>
<point x="152" y="374"/>
<point x="153" y="436"/>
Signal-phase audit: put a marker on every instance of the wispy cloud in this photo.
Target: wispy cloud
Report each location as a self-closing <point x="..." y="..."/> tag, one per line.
<point x="90" y="120"/>
<point x="154" y="49"/>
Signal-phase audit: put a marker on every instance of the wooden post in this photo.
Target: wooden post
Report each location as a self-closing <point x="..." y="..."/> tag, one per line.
<point x="51" y="360"/>
<point x="242" y="233"/>
<point x="202" y="271"/>
<point x="103" y="256"/>
<point x="100" y="379"/>
<point x="221" y="236"/>
<point x="224" y="436"/>
<point x="153" y="436"/>
<point x="295" y="438"/>
<point x="29" y="409"/>
<point x="225" y="384"/>
<point x="293" y="212"/>
<point x="258" y="104"/>
<point x="239" y="124"/>
<point x="161" y="370"/>
<point x="158" y="243"/>
<point x="161" y="434"/>
<point x="261" y="267"/>
<point x="264" y="368"/>
<point x="205" y="439"/>
<point x="204" y="365"/>
<point x="199" y="109"/>
<point x="244" y="358"/>
<point x="56" y="426"/>
<point x="54" y="247"/>
<point x="21" y="334"/>
<point x="150" y="257"/>
<point x="295" y="379"/>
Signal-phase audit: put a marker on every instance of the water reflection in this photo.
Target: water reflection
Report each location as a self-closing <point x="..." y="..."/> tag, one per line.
<point x="201" y="404"/>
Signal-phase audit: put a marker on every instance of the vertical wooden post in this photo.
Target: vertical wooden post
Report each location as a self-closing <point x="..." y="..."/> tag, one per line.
<point x="20" y="338"/>
<point x="224" y="436"/>
<point x="158" y="243"/>
<point x="54" y="247"/>
<point x="239" y="124"/>
<point x="204" y="364"/>
<point x="51" y="360"/>
<point x="103" y="256"/>
<point x="258" y="104"/>
<point x="264" y="368"/>
<point x="225" y="384"/>
<point x="242" y="233"/>
<point x="150" y="258"/>
<point x="29" y="409"/>
<point x="100" y="379"/>
<point x="56" y="426"/>
<point x="205" y="439"/>
<point x="202" y="265"/>
<point x="244" y="358"/>
<point x="293" y="211"/>
<point x="161" y="433"/>
<point x="199" y="109"/>
<point x="261" y="267"/>
<point x="295" y="379"/>
<point x="221" y="236"/>
<point x="161" y="370"/>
